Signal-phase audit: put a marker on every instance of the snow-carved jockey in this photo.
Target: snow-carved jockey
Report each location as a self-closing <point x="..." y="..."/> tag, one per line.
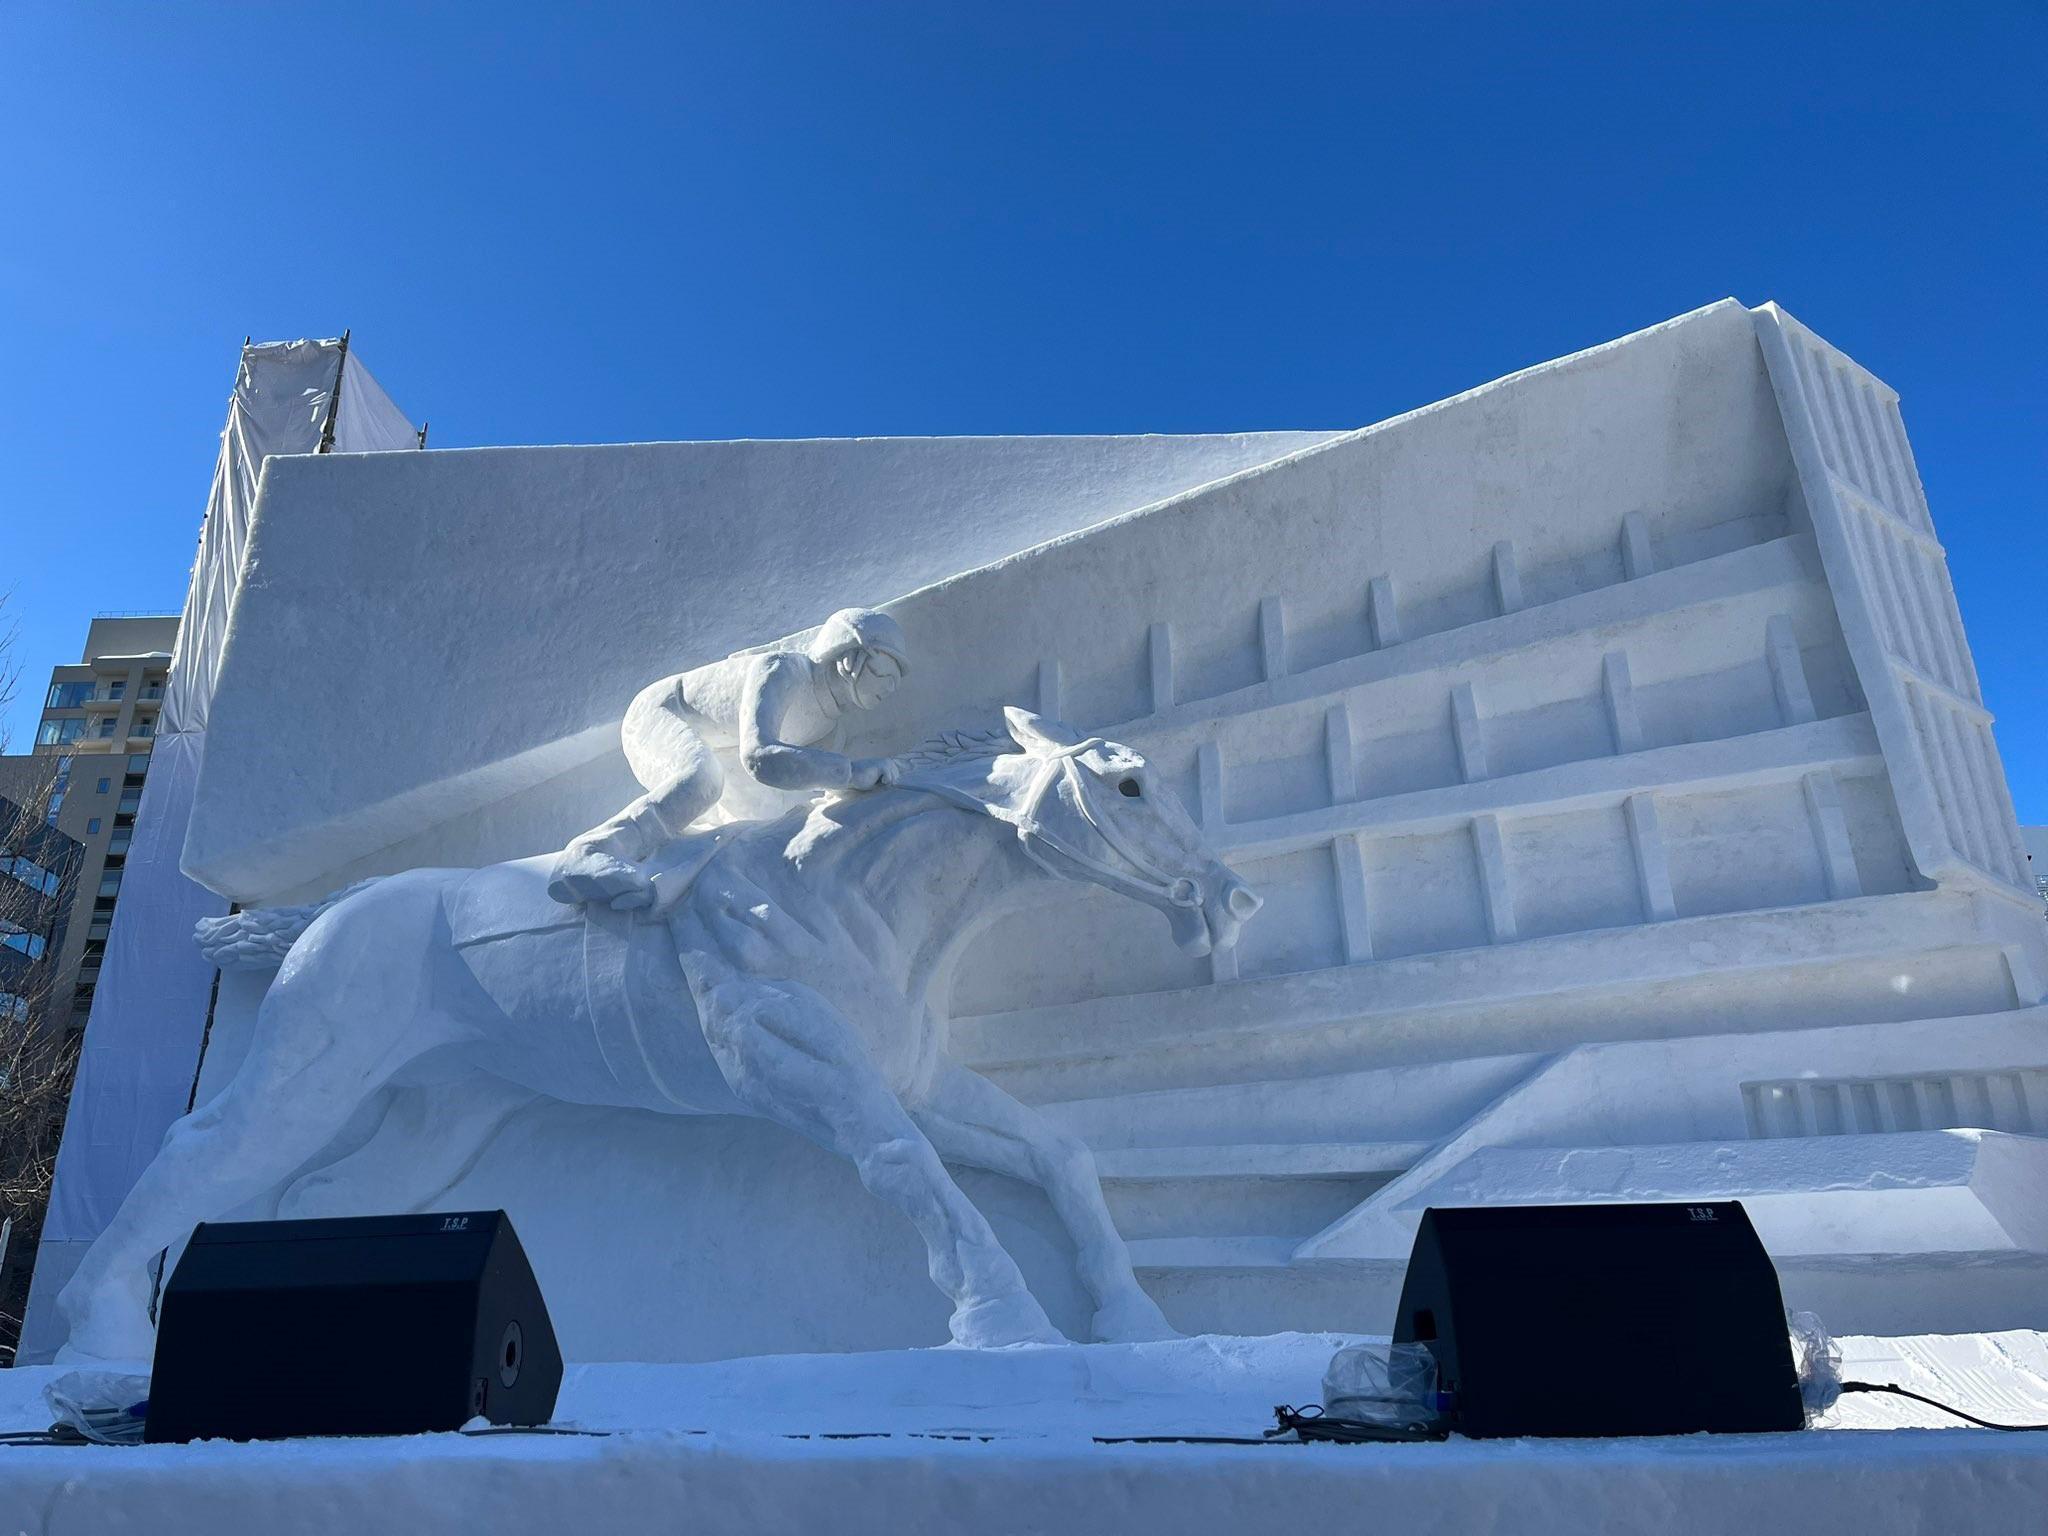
<point x="781" y="709"/>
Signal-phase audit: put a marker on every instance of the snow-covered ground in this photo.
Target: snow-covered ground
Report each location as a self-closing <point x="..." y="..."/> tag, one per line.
<point x="1003" y="1441"/>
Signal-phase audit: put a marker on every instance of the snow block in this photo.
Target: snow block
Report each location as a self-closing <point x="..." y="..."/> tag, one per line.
<point x="1954" y="1191"/>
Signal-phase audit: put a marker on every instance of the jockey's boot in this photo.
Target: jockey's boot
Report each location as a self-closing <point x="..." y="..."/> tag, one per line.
<point x="600" y="866"/>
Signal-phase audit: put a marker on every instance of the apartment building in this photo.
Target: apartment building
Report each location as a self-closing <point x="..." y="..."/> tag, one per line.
<point x="91" y="756"/>
<point x="38" y="873"/>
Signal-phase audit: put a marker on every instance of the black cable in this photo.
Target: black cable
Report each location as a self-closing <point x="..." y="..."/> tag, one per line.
<point x="1312" y="1423"/>
<point x="1308" y="1425"/>
<point x="65" y="1434"/>
<point x="56" y="1434"/>
<point x="1885" y="1386"/>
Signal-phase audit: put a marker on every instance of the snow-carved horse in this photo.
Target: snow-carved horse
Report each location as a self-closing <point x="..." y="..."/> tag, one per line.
<point x="785" y="971"/>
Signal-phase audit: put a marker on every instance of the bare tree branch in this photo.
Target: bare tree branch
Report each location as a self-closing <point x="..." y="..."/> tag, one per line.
<point x="10" y="669"/>
<point x="38" y="1053"/>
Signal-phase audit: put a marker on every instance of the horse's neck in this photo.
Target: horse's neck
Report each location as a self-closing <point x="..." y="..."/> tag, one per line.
<point x="930" y="870"/>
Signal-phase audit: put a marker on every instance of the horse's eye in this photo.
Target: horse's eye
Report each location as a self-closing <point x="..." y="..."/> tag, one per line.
<point x="1129" y="789"/>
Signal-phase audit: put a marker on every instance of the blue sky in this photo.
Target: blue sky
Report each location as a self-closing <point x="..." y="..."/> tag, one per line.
<point x="617" y="222"/>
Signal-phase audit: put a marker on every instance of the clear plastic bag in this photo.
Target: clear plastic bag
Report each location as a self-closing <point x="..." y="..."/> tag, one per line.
<point x="101" y="1405"/>
<point x="1384" y="1383"/>
<point x="1819" y="1359"/>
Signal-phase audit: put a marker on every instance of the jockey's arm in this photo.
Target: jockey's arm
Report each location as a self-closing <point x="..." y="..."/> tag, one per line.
<point x="767" y="700"/>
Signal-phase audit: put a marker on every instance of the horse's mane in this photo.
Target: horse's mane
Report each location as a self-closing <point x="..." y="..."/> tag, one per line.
<point x="949" y="747"/>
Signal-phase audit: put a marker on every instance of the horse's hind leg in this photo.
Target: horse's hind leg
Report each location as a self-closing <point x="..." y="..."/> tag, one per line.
<point x="970" y="1120"/>
<point x="318" y="1052"/>
<point x="427" y="1138"/>
<point x="792" y="1059"/>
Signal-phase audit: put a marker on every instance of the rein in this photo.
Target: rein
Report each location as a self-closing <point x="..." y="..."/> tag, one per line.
<point x="1143" y="880"/>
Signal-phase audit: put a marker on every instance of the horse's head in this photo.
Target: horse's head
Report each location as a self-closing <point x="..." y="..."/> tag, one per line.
<point x="1094" y="810"/>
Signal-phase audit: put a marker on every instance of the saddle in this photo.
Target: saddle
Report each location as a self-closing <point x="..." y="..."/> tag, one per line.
<point x="635" y="1000"/>
<point x="502" y="900"/>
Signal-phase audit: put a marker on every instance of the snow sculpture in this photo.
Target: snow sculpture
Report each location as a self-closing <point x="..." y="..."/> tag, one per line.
<point x="780" y="969"/>
<point x="782" y="708"/>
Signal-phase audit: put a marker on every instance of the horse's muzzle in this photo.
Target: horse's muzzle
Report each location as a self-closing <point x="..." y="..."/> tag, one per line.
<point x="1216" y="923"/>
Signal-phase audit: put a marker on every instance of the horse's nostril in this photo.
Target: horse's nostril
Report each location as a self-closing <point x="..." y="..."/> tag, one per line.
<point x="1244" y="901"/>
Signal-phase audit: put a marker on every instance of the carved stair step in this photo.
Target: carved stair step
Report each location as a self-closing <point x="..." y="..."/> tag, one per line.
<point x="1352" y="1297"/>
<point x="1827" y="962"/>
<point x="1844" y="744"/>
<point x="1261" y="1160"/>
<point x="1390" y="1109"/>
<point x="1256" y="1189"/>
<point x="1184" y="1253"/>
<point x="1645" y="953"/>
<point x="1768" y="577"/>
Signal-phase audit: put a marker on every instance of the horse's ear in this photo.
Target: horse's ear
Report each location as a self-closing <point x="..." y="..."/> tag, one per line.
<point x="1039" y="733"/>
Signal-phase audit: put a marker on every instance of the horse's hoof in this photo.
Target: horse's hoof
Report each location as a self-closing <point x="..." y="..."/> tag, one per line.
<point x="1133" y="1318"/>
<point x="1001" y="1320"/>
<point x="111" y="1333"/>
<point x="107" y="1317"/>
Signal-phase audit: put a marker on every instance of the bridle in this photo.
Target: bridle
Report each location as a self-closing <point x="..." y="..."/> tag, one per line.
<point x="1146" y="882"/>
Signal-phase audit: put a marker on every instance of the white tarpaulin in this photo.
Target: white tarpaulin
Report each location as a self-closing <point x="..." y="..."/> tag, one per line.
<point x="143" y="1041"/>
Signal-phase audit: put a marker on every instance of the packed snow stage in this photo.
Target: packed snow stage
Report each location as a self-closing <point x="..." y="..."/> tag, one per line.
<point x="997" y="1441"/>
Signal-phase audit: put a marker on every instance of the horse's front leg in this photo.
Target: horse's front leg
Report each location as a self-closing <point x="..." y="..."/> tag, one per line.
<point x="970" y="1120"/>
<point x="790" y="1057"/>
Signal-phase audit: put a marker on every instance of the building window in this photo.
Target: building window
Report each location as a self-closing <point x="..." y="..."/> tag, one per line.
<point x="131" y="802"/>
<point x="117" y="689"/>
<point x="146" y="726"/>
<point x="110" y="883"/>
<point x="13" y="1006"/>
<point x="60" y="733"/>
<point x="106" y="727"/>
<point x="68" y="695"/>
<point x="30" y="874"/>
<point x="138" y="763"/>
<point x="92" y="826"/>
<point x="56" y="805"/>
<point x="119" y="842"/>
<point x="104" y="786"/>
<point x="24" y="942"/>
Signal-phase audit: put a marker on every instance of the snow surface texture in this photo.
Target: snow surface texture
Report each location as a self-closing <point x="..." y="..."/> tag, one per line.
<point x="1558" y="724"/>
<point x="710" y="1446"/>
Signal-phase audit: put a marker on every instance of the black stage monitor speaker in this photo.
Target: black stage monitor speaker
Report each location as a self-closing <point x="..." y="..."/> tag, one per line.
<point x="1601" y="1320"/>
<point x="370" y="1325"/>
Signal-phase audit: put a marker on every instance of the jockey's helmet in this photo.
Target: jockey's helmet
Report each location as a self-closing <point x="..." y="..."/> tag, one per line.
<point x="860" y="629"/>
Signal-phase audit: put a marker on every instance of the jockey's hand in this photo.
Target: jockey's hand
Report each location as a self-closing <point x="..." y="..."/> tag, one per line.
<point x="874" y="772"/>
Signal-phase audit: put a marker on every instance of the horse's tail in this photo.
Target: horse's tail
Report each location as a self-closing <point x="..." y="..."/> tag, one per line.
<point x="258" y="940"/>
